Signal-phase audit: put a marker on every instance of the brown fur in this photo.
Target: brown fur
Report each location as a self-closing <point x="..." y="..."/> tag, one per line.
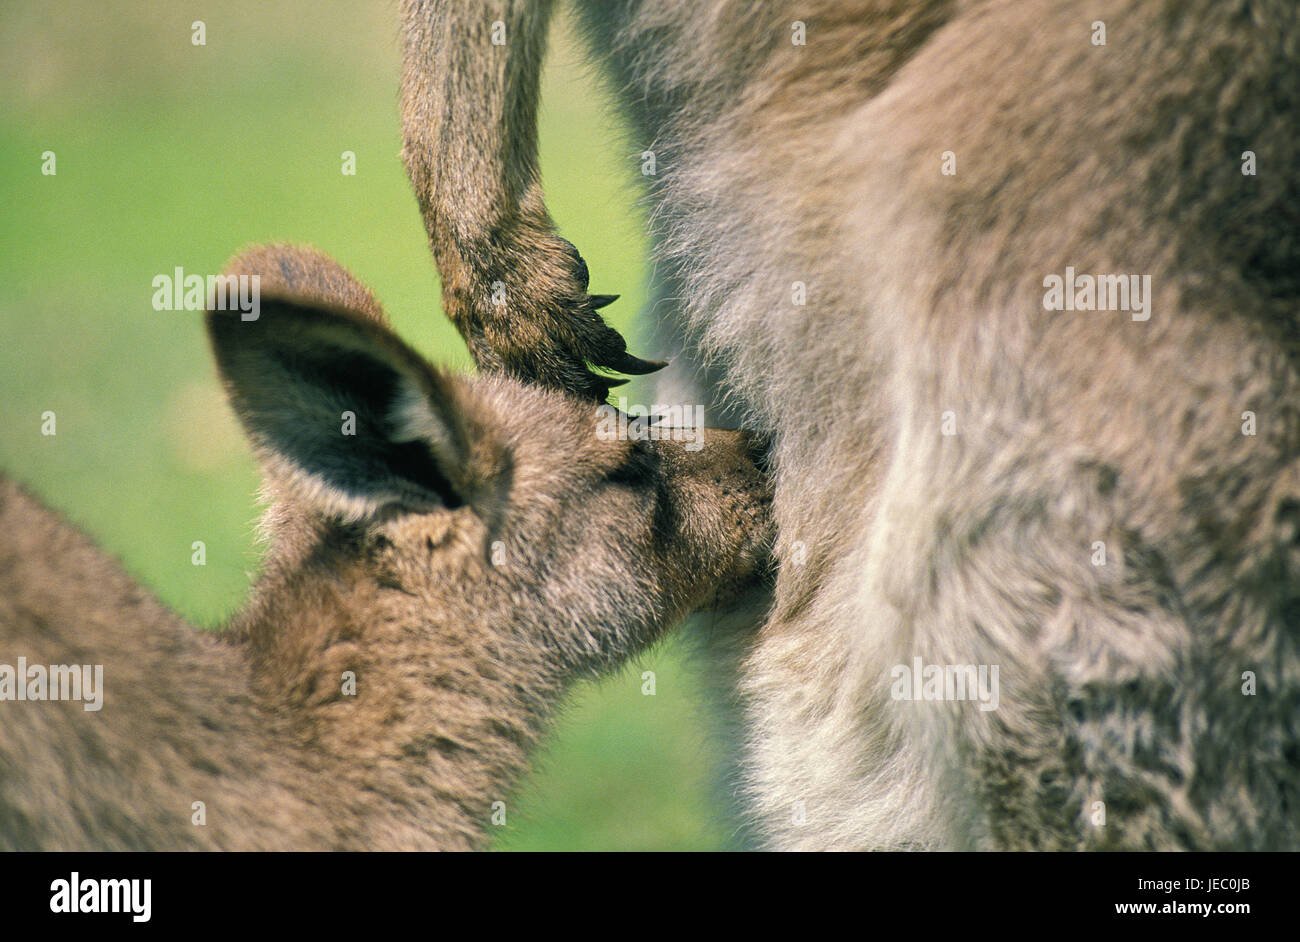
<point x="464" y="575"/>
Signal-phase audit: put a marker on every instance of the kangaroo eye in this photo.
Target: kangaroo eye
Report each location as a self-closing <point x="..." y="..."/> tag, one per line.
<point x="638" y="469"/>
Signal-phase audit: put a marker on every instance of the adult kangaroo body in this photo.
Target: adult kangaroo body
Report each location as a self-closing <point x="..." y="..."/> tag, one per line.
<point x="860" y="207"/>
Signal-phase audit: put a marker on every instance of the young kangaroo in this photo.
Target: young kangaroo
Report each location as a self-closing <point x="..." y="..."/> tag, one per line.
<point x="446" y="555"/>
<point x="857" y="206"/>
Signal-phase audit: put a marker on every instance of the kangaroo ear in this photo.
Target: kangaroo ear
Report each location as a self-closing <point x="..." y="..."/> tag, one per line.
<point x="343" y="412"/>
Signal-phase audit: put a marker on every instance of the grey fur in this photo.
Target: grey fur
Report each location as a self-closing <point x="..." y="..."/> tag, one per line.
<point x="821" y="164"/>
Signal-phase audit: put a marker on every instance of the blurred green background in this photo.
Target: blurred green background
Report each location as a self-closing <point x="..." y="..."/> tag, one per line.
<point x="170" y="154"/>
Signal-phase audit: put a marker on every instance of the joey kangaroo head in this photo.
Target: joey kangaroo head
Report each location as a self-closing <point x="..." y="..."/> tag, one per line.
<point x="482" y="497"/>
<point x="447" y="554"/>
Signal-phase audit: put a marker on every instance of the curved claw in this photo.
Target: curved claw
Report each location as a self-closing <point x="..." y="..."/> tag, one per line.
<point x="602" y="300"/>
<point x="626" y="363"/>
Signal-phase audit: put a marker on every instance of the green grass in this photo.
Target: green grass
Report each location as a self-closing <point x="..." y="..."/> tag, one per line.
<point x="174" y="155"/>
